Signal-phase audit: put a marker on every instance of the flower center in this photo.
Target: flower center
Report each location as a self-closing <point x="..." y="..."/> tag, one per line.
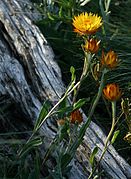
<point x="87" y="22"/>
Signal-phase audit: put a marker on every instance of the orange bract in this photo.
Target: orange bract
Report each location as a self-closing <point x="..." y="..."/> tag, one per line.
<point x="76" y="117"/>
<point x="112" y="92"/>
<point x="87" y="23"/>
<point x="92" y="45"/>
<point x="61" y="122"/>
<point x="110" y="60"/>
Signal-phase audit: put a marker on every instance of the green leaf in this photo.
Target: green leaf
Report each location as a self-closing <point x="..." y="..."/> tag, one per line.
<point x="57" y="172"/>
<point x="44" y="111"/>
<point x="73" y="76"/>
<point x="84" y="2"/>
<point x="116" y="133"/>
<point x="66" y="159"/>
<point x="67" y="170"/>
<point x="60" y="12"/>
<point x="63" y="131"/>
<point x="63" y="108"/>
<point x="64" y="111"/>
<point x="12" y="141"/>
<point x="92" y="157"/>
<point x="80" y="103"/>
<point x="50" y="17"/>
<point x="30" y="145"/>
<point x="35" y="173"/>
<point x="63" y="104"/>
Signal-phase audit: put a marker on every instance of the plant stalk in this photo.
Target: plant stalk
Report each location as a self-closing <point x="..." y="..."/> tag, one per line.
<point x="84" y="74"/>
<point x="113" y="103"/>
<point x="86" y="125"/>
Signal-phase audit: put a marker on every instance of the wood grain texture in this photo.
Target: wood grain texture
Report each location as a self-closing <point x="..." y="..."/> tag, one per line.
<point x="30" y="75"/>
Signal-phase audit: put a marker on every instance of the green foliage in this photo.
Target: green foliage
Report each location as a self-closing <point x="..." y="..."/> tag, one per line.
<point x="79" y="103"/>
<point x="12" y="139"/>
<point x="116" y="133"/>
<point x="120" y="38"/>
<point x="12" y="166"/>
<point x="73" y="76"/>
<point x="92" y="157"/>
<point x="35" y="142"/>
<point x="35" y="173"/>
<point x="43" y="113"/>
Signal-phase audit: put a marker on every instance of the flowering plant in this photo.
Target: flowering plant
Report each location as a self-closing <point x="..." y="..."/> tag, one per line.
<point x="71" y="127"/>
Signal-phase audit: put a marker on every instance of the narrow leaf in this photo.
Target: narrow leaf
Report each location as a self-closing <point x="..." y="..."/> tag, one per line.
<point x="83" y="3"/>
<point x="64" y="111"/>
<point x="66" y="158"/>
<point x="91" y="159"/>
<point x="35" y="173"/>
<point x="44" y="111"/>
<point x="73" y="76"/>
<point x="116" y="133"/>
<point x="30" y="145"/>
<point x="79" y="103"/>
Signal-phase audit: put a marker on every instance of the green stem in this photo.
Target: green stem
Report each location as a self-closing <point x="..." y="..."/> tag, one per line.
<point x="108" y="137"/>
<point x="84" y="74"/>
<point x="95" y="103"/>
<point x="49" y="150"/>
<point x="86" y="125"/>
<point x="107" y="5"/>
<point x="57" y="104"/>
<point x="113" y="103"/>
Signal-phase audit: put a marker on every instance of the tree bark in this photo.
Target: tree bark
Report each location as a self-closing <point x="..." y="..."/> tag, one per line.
<point x="30" y="75"/>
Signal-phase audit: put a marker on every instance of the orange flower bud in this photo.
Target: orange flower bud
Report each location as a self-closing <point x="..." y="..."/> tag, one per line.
<point x="92" y="45"/>
<point x="110" y="60"/>
<point x="61" y="122"/>
<point x="112" y="92"/>
<point x="76" y="116"/>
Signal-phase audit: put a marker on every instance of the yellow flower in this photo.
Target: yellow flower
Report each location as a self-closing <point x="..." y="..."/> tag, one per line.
<point x="92" y="45"/>
<point x="110" y="60"/>
<point x="76" y="117"/>
<point x="112" y="92"/>
<point x="87" y="23"/>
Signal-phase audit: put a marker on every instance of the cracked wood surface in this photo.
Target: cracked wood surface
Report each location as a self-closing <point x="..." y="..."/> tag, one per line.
<point x="30" y="75"/>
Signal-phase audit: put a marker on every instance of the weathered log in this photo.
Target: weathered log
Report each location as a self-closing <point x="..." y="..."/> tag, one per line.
<point x="30" y="75"/>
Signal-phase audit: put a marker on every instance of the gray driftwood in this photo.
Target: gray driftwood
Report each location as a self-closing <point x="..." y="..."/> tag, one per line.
<point x="30" y="75"/>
